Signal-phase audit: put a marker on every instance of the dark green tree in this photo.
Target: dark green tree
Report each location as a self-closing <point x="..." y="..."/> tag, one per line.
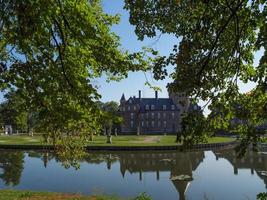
<point x="111" y="119"/>
<point x="14" y="112"/>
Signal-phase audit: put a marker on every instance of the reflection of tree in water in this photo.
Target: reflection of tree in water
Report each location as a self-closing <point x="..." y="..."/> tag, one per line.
<point x="45" y="156"/>
<point x="98" y="158"/>
<point x="95" y="158"/>
<point x="11" y="164"/>
<point x="256" y="162"/>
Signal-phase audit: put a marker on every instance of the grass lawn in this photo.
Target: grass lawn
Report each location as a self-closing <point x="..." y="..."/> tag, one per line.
<point x="129" y="140"/>
<point x="28" y="195"/>
<point x="21" y="139"/>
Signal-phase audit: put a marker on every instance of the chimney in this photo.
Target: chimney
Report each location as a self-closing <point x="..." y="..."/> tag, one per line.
<point x="139" y="94"/>
<point x="156" y="94"/>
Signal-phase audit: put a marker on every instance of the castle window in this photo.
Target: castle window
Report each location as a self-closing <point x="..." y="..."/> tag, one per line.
<point x="164" y="107"/>
<point x="165" y="124"/>
<point x="158" y="115"/>
<point x="147" y="124"/>
<point x="132" y="124"/>
<point x="152" y="107"/>
<point x="129" y="107"/>
<point x="142" y="116"/>
<point x="164" y="115"/>
<point x="130" y="101"/>
<point x="152" y="124"/>
<point x="147" y="115"/>
<point x="173" y="107"/>
<point x="142" y="124"/>
<point x="159" y="124"/>
<point x="147" y="107"/>
<point x="132" y="115"/>
<point x="152" y="115"/>
<point x="173" y="115"/>
<point x="134" y="107"/>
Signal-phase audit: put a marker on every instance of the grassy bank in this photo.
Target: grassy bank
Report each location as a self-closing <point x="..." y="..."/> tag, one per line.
<point x="131" y="140"/>
<point x="29" y="195"/>
<point x="154" y="140"/>
<point x="21" y="139"/>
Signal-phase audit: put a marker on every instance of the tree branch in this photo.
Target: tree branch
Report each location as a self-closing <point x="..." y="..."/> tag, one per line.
<point x="219" y="32"/>
<point x="61" y="59"/>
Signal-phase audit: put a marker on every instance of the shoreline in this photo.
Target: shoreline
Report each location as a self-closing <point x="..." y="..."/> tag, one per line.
<point x="207" y="146"/>
<point x="22" y="194"/>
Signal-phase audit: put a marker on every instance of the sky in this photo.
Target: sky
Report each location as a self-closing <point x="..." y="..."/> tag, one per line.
<point x="136" y="80"/>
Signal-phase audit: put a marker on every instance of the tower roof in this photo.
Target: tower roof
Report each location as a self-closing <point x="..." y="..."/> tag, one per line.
<point x="123" y="97"/>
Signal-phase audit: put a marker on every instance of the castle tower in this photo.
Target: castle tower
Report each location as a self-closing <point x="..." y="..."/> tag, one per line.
<point x="182" y="102"/>
<point x="122" y="100"/>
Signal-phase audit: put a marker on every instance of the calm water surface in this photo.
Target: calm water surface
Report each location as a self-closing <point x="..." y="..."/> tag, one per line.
<point x="211" y="174"/>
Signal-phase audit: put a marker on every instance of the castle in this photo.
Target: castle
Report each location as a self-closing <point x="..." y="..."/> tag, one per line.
<point x="153" y="115"/>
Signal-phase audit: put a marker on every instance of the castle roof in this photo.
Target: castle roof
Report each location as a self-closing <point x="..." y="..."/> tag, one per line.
<point x="156" y="102"/>
<point x="123" y="97"/>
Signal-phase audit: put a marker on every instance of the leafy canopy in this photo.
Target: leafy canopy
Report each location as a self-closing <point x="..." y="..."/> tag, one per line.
<point x="50" y="53"/>
<point x="218" y="43"/>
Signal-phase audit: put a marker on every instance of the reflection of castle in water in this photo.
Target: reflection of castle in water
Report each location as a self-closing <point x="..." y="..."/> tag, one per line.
<point x="256" y="162"/>
<point x="177" y="163"/>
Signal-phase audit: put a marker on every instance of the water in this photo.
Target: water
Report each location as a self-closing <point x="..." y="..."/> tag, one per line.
<point x="212" y="174"/>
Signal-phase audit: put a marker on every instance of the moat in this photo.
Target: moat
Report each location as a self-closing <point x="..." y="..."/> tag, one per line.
<point x="210" y="174"/>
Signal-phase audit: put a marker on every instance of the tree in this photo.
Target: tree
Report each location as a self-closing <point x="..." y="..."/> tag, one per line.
<point x="193" y="124"/>
<point x="111" y="118"/>
<point x="11" y="115"/>
<point x="218" y="43"/>
<point x="50" y="51"/>
<point x="14" y="112"/>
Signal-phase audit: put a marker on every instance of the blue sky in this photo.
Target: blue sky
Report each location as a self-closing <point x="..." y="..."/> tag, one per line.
<point x="136" y="80"/>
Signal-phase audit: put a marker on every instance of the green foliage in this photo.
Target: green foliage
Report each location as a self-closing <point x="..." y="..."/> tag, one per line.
<point x="262" y="196"/>
<point x="217" y="42"/>
<point x="241" y="115"/>
<point x="194" y="130"/>
<point x="22" y="195"/>
<point x="26" y="194"/>
<point x="143" y="196"/>
<point x="51" y="51"/>
<point x="110" y="116"/>
<point x="13" y="112"/>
